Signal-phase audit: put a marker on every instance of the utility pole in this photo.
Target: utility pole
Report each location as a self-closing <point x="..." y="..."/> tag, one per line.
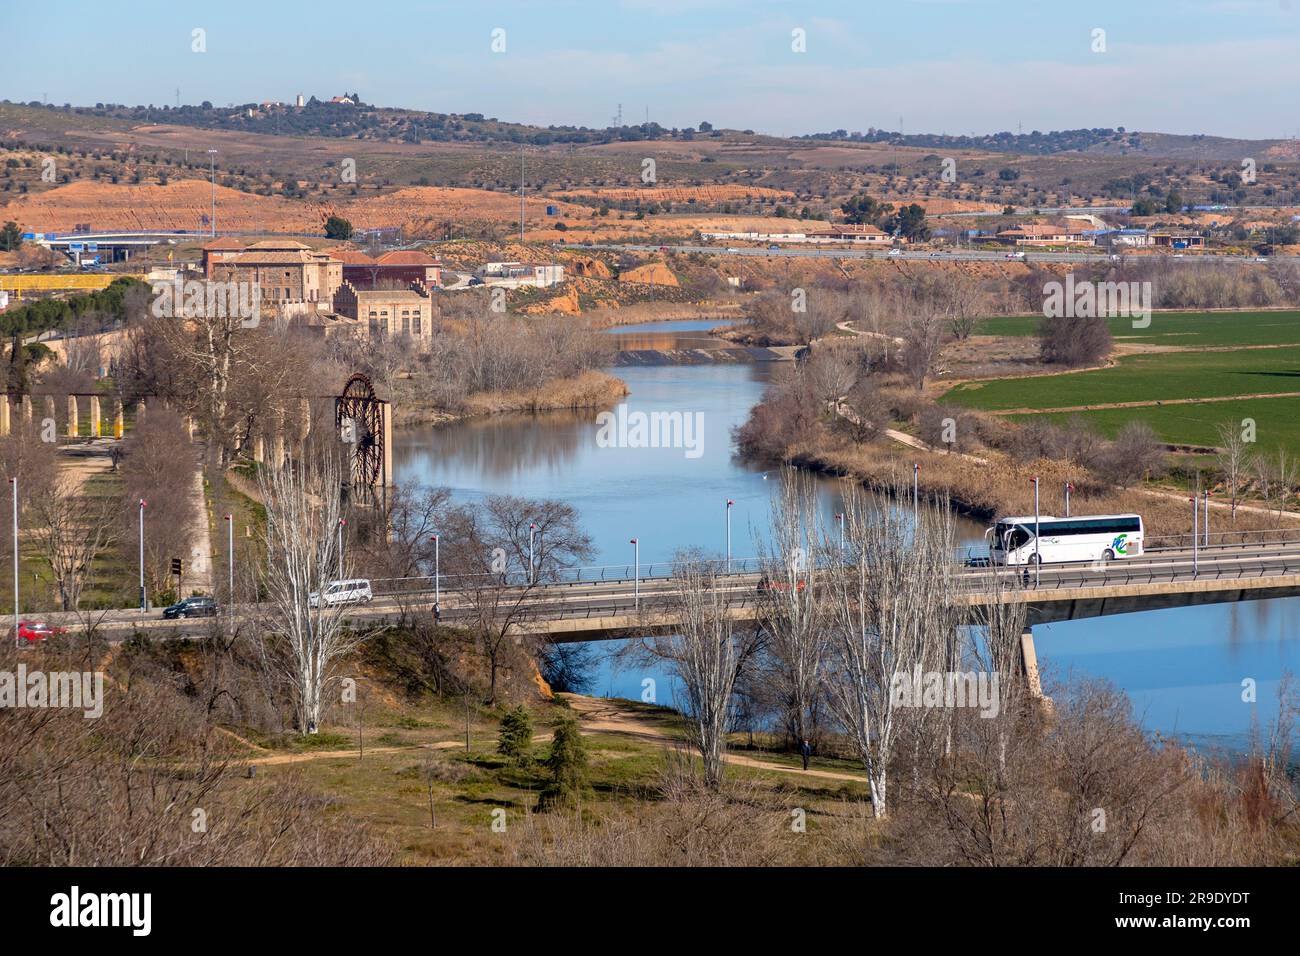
<point x="1207" y="517"/>
<point x="437" y="577"/>
<point x="532" y="564"/>
<point x="521" y="194"/>
<point x="916" y="492"/>
<point x="1068" y="488"/>
<point x="840" y="518"/>
<point x="212" y="155"/>
<point x="1196" y="570"/>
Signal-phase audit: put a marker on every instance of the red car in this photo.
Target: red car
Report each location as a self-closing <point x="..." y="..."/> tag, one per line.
<point x="33" y="631"/>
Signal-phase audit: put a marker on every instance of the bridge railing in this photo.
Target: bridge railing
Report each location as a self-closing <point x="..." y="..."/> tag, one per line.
<point x="1222" y="539"/>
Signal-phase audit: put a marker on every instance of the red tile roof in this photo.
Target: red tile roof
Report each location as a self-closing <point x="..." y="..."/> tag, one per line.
<point x="406" y="257"/>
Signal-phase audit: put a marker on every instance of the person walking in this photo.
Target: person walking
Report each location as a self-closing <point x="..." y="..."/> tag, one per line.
<point x="805" y="750"/>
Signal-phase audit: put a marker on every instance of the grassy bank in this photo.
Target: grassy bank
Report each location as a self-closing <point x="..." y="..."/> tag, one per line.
<point x="592" y="389"/>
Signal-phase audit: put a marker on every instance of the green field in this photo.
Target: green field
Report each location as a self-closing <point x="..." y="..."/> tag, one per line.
<point x="1277" y="421"/>
<point x="1142" y="378"/>
<point x="1181" y="328"/>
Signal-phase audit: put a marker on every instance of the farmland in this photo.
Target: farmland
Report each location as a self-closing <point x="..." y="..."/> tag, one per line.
<point x="1182" y="329"/>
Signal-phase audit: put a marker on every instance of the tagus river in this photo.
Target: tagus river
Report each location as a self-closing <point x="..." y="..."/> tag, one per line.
<point x="1182" y="668"/>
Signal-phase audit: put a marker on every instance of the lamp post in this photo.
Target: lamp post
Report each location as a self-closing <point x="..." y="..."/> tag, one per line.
<point x="437" y="576"/>
<point x="13" y="482"/>
<point x="212" y="222"/>
<point x="730" y="503"/>
<point x="840" y="518"/>
<point x="1207" y="517"/>
<point x="1068" y="488"/>
<point x="230" y="560"/>
<point x="532" y="530"/>
<point x="1196" y="536"/>
<point x="1038" y="558"/>
<point x="143" y="596"/>
<point x="916" y="491"/>
<point x="636" y="573"/>
<point x="342" y="523"/>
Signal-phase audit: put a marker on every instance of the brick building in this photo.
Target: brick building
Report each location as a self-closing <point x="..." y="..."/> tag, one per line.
<point x="288" y="273"/>
<point x="401" y="267"/>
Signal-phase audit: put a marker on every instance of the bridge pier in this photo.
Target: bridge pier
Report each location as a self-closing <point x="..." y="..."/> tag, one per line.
<point x="4" y="415"/>
<point x="119" y="422"/>
<point x="96" y="418"/>
<point x="27" y="409"/>
<point x="72" y="416"/>
<point x="1029" y="660"/>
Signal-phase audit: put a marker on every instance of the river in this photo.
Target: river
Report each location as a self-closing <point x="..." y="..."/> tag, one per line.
<point x="1182" y="668"/>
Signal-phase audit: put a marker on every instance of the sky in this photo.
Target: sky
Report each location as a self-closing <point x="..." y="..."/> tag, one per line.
<point x="1222" y="67"/>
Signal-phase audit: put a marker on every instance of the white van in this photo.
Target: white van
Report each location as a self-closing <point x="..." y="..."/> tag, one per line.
<point x="354" y="591"/>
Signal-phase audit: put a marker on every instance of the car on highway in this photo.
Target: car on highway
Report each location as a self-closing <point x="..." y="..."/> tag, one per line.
<point x="663" y="248"/>
<point x="1261" y="258"/>
<point x="1015" y="255"/>
<point x="732" y="249"/>
<point x="352" y="591"/>
<point x="32" y="631"/>
<point x="895" y="252"/>
<point x="772" y="245"/>
<point x="196" y="606"/>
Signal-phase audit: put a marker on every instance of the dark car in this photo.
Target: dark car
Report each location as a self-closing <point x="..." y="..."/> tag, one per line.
<point x="191" y="607"/>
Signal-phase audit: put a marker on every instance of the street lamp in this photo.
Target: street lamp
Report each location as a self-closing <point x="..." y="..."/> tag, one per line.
<point x="1196" y="536"/>
<point x="1038" y="558"/>
<point x="840" y="518"/>
<point x="730" y="503"/>
<point x="916" y="491"/>
<point x="1207" y="517"/>
<point x="230" y="559"/>
<point x="342" y="523"/>
<point x="636" y="573"/>
<point x="532" y="530"/>
<point x="437" y="578"/>
<point x="1068" y="488"/>
<point x="143" y="602"/>
<point x="212" y="222"/>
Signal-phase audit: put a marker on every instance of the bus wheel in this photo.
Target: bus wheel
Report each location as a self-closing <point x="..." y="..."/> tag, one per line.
<point x="1108" y="555"/>
<point x="1035" y="559"/>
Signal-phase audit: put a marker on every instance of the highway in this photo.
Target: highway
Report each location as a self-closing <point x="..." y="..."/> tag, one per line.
<point x="1159" y="578"/>
<point x="952" y="255"/>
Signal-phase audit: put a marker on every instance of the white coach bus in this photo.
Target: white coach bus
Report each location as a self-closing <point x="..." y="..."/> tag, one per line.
<point x="1083" y="538"/>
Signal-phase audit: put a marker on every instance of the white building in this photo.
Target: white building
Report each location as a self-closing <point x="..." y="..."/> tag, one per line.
<point x="512" y="275"/>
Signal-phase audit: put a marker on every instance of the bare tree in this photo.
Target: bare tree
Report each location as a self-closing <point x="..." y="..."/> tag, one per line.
<point x="706" y="654"/>
<point x="922" y="343"/>
<point x="790" y="611"/>
<point x="72" y="527"/>
<point x="892" y="611"/>
<point x="302" y="640"/>
<point x="1234" y="460"/>
<point x="488" y="549"/>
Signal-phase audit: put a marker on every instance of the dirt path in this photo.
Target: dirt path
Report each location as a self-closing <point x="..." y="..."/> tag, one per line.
<point x="597" y="715"/>
<point x="1144" y="404"/>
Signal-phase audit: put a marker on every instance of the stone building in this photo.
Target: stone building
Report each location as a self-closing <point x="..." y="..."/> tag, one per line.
<point x="387" y="312"/>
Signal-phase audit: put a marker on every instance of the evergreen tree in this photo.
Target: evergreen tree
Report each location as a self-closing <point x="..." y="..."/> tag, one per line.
<point x="516" y="737"/>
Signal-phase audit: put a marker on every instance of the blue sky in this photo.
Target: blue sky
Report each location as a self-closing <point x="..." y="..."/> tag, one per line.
<point x="1226" y="67"/>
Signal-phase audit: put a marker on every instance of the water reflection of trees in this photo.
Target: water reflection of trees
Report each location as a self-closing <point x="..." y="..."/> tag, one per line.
<point x="502" y="446"/>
